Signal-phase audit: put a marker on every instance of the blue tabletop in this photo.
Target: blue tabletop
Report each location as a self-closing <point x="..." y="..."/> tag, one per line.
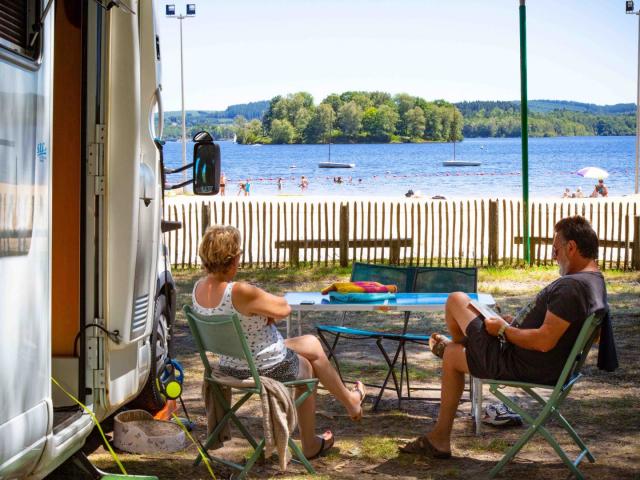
<point x="310" y="301"/>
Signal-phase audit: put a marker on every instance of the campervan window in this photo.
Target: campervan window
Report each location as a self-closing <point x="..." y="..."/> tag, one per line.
<point x="19" y="37"/>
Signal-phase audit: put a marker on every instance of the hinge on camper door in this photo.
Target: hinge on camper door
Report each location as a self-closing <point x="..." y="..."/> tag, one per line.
<point x="95" y="159"/>
<point x="95" y="351"/>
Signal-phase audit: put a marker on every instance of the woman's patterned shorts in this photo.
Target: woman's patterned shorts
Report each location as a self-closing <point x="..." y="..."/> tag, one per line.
<point x="286" y="371"/>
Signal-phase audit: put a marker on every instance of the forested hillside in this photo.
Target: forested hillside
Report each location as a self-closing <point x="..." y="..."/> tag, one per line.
<point x="218" y="123"/>
<point x="547" y="118"/>
<point x="372" y="117"/>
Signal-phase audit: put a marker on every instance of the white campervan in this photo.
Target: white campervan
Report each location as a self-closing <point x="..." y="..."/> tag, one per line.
<point x="86" y="296"/>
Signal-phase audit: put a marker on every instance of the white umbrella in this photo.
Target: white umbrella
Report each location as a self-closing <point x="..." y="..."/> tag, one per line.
<point x="592" y="172"/>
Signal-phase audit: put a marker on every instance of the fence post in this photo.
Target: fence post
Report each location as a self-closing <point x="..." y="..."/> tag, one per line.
<point x="344" y="234"/>
<point x="394" y="252"/>
<point x="206" y="217"/>
<point x="493" y="232"/>
<point x="635" y="248"/>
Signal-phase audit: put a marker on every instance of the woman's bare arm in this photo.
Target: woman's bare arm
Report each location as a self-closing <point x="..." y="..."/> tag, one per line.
<point x="251" y="300"/>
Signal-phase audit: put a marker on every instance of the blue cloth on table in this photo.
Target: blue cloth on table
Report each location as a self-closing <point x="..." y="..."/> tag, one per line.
<point x="360" y="297"/>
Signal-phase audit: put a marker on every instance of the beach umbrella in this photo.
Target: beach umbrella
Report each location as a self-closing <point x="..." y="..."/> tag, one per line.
<point x="592" y="172"/>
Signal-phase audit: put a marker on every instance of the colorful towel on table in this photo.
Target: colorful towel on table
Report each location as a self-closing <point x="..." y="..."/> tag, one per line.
<point x="359" y="297"/>
<point x="359" y="287"/>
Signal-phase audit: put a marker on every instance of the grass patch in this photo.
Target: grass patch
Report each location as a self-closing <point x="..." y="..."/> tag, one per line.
<point x="379" y="448"/>
<point x="496" y="445"/>
<point x="375" y="372"/>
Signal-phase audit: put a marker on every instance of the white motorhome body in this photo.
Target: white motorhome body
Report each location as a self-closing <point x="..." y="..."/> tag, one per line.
<point x="85" y="292"/>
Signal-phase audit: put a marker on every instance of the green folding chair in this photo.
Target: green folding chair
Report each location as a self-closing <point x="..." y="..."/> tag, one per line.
<point x="550" y="407"/>
<point x="223" y="335"/>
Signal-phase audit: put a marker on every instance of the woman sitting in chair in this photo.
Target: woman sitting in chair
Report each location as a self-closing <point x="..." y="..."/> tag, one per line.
<point x="283" y="360"/>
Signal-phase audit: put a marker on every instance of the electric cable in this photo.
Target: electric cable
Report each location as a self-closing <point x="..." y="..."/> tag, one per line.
<point x="113" y="336"/>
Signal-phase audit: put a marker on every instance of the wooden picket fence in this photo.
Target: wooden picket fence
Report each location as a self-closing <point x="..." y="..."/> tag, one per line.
<point x="474" y="232"/>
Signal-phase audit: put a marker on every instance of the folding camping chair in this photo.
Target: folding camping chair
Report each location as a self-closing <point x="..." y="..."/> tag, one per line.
<point x="435" y="280"/>
<point x="550" y="407"/>
<point x="402" y="277"/>
<point x="223" y="335"/>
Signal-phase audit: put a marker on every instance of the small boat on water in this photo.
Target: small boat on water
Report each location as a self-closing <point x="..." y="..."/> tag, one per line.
<point x="329" y="163"/>
<point x="336" y="165"/>
<point x="460" y="163"/>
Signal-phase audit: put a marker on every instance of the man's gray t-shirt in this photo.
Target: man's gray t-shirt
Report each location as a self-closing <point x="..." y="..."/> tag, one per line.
<point x="573" y="298"/>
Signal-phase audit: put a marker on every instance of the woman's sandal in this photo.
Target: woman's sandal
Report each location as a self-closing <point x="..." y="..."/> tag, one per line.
<point x="423" y="446"/>
<point x="359" y="387"/>
<point x="437" y="344"/>
<point x="325" y="445"/>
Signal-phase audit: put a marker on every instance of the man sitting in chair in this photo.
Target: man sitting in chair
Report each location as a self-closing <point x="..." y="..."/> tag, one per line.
<point x="533" y="347"/>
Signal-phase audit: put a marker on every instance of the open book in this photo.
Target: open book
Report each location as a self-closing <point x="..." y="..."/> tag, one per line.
<point x="483" y="310"/>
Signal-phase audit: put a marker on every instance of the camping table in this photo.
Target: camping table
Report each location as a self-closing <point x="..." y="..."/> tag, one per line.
<point x="404" y="302"/>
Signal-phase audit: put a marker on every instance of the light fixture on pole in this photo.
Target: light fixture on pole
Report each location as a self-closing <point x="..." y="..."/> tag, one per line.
<point x="630" y="10"/>
<point x="170" y="11"/>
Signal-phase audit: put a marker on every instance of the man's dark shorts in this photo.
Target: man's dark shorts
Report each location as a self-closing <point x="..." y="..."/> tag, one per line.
<point x="484" y="352"/>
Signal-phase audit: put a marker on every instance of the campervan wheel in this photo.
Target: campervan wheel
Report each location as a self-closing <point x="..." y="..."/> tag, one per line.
<point x="151" y="399"/>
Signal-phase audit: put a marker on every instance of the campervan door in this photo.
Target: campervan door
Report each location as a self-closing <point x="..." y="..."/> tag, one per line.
<point x="25" y="160"/>
<point x="130" y="203"/>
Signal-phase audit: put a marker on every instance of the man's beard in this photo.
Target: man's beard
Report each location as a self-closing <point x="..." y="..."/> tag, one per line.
<point x="563" y="269"/>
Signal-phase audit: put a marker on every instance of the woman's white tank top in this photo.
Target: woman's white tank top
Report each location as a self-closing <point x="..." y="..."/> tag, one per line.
<point x="265" y="341"/>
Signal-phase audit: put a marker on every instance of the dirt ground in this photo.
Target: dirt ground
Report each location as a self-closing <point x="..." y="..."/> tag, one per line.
<point x="604" y="407"/>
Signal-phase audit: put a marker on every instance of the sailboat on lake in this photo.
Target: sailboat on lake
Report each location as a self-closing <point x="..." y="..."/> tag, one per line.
<point x="329" y="163"/>
<point x="459" y="163"/>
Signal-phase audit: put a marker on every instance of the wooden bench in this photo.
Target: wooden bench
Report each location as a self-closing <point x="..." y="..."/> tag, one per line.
<point x="393" y="244"/>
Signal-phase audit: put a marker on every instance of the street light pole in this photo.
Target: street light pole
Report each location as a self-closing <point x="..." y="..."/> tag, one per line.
<point x="171" y="13"/>
<point x="184" y="119"/>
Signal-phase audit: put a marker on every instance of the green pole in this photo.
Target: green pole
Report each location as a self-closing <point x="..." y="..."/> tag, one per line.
<point x="524" y="120"/>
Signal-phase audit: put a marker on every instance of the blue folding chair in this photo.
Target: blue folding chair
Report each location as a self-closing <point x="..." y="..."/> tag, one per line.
<point x="434" y="280"/>
<point x="402" y="277"/>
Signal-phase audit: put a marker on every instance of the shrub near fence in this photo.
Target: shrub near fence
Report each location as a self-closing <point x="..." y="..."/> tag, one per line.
<point x="411" y="232"/>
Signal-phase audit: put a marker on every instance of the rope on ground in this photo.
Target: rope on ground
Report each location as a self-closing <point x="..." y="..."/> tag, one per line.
<point x="205" y="459"/>
<point x="96" y="422"/>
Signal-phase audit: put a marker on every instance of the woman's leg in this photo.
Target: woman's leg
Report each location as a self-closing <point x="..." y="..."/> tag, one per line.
<point x="309" y="347"/>
<point x="307" y="413"/>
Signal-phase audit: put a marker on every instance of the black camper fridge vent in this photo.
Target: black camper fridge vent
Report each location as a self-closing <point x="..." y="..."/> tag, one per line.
<point x="140" y="311"/>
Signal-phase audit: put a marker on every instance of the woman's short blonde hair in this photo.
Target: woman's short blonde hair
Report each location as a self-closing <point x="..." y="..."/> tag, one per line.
<point x="219" y="247"/>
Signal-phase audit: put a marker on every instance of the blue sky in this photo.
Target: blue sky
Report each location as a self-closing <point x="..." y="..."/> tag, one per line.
<point x="248" y="50"/>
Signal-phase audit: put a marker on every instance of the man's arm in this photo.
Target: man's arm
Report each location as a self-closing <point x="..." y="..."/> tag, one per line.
<point x="541" y="339"/>
<point x="251" y="300"/>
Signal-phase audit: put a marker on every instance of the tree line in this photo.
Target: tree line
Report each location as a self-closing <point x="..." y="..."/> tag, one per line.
<point x="352" y="117"/>
<point x="502" y="119"/>
<point x="378" y="117"/>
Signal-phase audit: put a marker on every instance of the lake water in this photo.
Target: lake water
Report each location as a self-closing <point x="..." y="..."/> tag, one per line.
<point x="390" y="170"/>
